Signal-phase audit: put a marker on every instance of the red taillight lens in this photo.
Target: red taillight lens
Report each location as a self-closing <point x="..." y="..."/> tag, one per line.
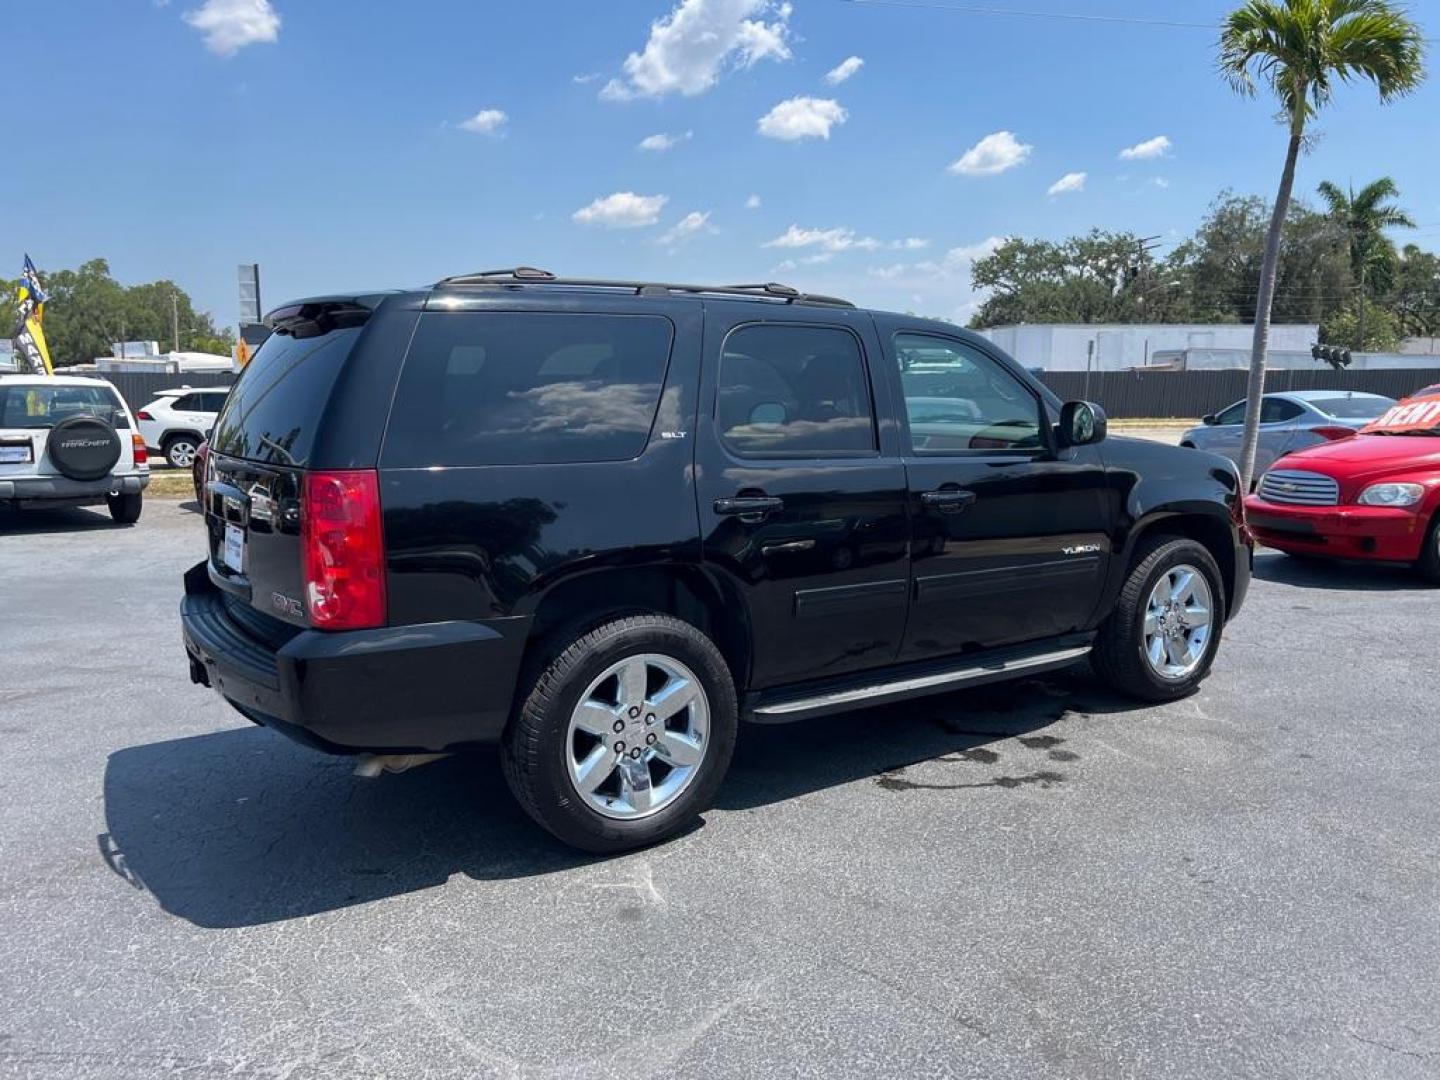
<point x="143" y="415"/>
<point x="344" y="544"/>
<point x="1333" y="433"/>
<point x="142" y="456"/>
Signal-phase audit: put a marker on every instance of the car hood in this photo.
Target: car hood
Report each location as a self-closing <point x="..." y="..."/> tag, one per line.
<point x="1367" y="455"/>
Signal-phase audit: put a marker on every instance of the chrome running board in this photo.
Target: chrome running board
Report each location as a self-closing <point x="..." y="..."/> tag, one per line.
<point x="957" y="674"/>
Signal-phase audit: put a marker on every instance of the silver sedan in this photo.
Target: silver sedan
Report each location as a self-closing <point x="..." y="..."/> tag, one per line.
<point x="1289" y="421"/>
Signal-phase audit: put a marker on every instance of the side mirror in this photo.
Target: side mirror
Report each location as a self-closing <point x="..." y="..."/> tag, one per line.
<point x="1081" y="424"/>
<point x="1209" y="420"/>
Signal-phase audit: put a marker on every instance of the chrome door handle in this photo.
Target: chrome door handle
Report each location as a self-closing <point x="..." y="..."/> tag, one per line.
<point x="948" y="500"/>
<point x="747" y="505"/>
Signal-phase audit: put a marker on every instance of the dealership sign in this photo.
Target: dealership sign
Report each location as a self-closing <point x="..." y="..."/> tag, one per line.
<point x="1416" y="414"/>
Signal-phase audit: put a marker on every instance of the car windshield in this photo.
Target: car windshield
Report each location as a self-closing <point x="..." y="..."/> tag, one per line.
<point x="35" y="406"/>
<point x="1353" y="408"/>
<point x="1414" y="416"/>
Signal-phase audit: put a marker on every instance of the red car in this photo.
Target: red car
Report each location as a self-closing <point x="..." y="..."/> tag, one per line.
<point x="1375" y="496"/>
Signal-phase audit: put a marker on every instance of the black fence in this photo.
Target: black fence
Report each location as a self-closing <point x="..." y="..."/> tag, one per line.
<point x="1187" y="394"/>
<point x="140" y="388"/>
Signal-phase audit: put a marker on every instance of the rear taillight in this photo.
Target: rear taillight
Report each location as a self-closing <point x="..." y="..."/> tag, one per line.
<point x="142" y="456"/>
<point x="143" y="415"/>
<point x="344" y="550"/>
<point x="1333" y="433"/>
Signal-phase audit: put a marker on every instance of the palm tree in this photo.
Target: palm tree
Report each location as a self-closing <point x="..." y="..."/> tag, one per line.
<point x="1300" y="49"/>
<point x="1365" y="217"/>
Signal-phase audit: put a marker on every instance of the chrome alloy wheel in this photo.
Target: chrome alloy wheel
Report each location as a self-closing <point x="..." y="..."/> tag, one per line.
<point x="638" y="736"/>
<point x="1179" y="619"/>
<point x="181" y="453"/>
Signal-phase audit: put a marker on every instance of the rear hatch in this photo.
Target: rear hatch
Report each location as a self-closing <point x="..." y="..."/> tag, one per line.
<point x="29" y="410"/>
<point x="260" y="455"/>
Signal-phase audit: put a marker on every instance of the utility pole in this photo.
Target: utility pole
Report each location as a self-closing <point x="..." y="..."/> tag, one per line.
<point x="175" y="316"/>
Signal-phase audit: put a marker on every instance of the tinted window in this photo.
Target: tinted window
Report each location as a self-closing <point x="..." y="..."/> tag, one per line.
<point x="1353" y="408"/>
<point x="959" y="399"/>
<point x="1235" y="414"/>
<point x="274" y="410"/>
<point x="46" y="406"/>
<point x="1276" y="410"/>
<point x="794" y="391"/>
<point x="520" y="388"/>
<point x="187" y="403"/>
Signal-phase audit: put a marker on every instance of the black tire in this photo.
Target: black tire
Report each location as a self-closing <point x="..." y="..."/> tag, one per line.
<point x="125" y="509"/>
<point x="1429" y="564"/>
<point x="534" y="748"/>
<point x="174" y="444"/>
<point x="1119" y="657"/>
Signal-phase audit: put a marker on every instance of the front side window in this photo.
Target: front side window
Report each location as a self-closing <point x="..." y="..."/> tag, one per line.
<point x="528" y="388"/>
<point x="957" y="399"/>
<point x="794" y="391"/>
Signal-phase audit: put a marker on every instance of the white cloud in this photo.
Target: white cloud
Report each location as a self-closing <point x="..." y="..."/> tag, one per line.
<point x="803" y="118"/>
<point x="230" y="25"/>
<point x="752" y="203"/>
<point x="622" y="210"/>
<point x="663" y="141"/>
<point x="1071" y="181"/>
<point x="910" y="243"/>
<point x="843" y="70"/>
<point x="486" y="122"/>
<point x="1161" y="182"/>
<point x="957" y="260"/>
<point x="585" y="78"/>
<point x="837" y="239"/>
<point x="1157" y="147"/>
<point x="689" y="49"/>
<point x="688" y="227"/>
<point x="992" y="155"/>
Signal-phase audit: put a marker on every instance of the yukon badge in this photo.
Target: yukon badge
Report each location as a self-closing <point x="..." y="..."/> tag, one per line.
<point x="1082" y="549"/>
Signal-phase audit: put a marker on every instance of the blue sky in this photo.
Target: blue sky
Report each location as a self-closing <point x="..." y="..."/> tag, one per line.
<point x="354" y="144"/>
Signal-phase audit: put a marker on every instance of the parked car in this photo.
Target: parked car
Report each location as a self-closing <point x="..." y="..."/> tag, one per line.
<point x="69" y="441"/>
<point x="599" y="524"/>
<point x="197" y="471"/>
<point x="1429" y="391"/>
<point x="1375" y="497"/>
<point x="178" y="421"/>
<point x="1289" y="421"/>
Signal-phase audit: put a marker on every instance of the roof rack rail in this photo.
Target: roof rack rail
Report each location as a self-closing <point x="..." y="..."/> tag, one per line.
<point x="527" y="275"/>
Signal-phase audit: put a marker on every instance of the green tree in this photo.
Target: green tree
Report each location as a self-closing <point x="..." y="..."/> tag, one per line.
<point x="1415" y="297"/>
<point x="1299" y="49"/>
<point x="1364" y="217"/>
<point x="1351" y="327"/>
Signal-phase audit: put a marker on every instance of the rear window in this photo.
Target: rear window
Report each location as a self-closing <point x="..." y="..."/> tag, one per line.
<point x="275" y="407"/>
<point x="45" y="406"/>
<point x="1352" y="408"/>
<point x="528" y="388"/>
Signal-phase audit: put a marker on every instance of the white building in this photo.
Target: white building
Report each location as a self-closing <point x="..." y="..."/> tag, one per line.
<point x="1073" y="346"/>
<point x="174" y="363"/>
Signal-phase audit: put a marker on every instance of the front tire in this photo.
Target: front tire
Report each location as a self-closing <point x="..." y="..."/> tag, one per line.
<point x="625" y="735"/>
<point x="1429" y="564"/>
<point x="125" y="509"/>
<point x="1159" y="642"/>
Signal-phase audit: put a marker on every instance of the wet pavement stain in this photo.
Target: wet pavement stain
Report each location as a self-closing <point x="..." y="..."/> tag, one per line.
<point x="1063" y="755"/>
<point x="1040" y="742"/>
<point x="979" y="754"/>
<point x="893" y="781"/>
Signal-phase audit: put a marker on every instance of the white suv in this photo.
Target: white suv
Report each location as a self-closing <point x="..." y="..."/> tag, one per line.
<point x="69" y="441"/>
<point x="178" y="421"/>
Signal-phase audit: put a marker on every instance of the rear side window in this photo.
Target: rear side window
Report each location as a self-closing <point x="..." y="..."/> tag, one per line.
<point x="528" y="388"/>
<point x="1353" y="408"/>
<point x="275" y="408"/>
<point x="794" y="391"/>
<point x="23" y="406"/>
<point x="1277" y="410"/>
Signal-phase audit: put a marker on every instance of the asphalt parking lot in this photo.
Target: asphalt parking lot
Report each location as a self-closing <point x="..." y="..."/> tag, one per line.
<point x="1036" y="880"/>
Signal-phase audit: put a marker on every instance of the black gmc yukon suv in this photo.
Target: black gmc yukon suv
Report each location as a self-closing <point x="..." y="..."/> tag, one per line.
<point x="600" y="523"/>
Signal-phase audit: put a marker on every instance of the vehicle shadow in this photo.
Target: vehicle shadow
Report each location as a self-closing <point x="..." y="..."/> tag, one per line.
<point x="1333" y="574"/>
<point x="58" y="520"/>
<point x="242" y="827"/>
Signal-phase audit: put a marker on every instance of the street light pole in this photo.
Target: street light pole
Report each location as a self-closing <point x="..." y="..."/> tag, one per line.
<point x="175" y="316"/>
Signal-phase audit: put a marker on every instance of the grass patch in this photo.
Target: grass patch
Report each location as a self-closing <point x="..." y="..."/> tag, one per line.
<point x="171" y="485"/>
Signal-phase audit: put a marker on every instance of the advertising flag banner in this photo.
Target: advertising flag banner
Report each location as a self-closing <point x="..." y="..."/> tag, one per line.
<point x="1413" y="414"/>
<point x="29" y="334"/>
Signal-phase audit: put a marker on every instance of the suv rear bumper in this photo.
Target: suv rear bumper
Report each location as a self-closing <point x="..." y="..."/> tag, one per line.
<point x="61" y="489"/>
<point x="403" y="689"/>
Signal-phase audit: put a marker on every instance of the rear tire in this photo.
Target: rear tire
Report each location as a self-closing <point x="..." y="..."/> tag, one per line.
<point x="1429" y="564"/>
<point x="125" y="509"/>
<point x="565" y="732"/>
<point x="180" y="451"/>
<point x="1122" y="655"/>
